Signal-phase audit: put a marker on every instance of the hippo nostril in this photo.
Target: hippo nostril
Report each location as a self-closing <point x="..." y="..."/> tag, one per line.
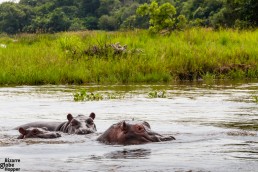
<point x="82" y="131"/>
<point x="79" y="132"/>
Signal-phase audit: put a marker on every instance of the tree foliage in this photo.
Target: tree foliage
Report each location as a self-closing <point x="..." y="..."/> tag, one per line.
<point x="13" y="17"/>
<point x="161" y="16"/>
<point x="63" y="15"/>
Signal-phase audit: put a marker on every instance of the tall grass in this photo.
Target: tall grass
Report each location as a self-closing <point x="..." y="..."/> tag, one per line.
<point x="63" y="58"/>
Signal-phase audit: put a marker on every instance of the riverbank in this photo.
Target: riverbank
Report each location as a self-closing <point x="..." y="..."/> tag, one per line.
<point x="90" y="57"/>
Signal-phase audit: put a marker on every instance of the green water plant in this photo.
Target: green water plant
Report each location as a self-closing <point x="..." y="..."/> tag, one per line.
<point x="255" y="99"/>
<point x="79" y="96"/>
<point x="83" y="95"/>
<point x="157" y="94"/>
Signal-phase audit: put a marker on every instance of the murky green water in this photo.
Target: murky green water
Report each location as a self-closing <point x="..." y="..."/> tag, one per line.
<point x="215" y="127"/>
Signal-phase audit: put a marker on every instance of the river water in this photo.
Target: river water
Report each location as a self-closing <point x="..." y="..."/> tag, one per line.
<point x="215" y="127"/>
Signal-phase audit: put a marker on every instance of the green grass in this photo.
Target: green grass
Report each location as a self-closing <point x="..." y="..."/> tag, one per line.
<point x="87" y="57"/>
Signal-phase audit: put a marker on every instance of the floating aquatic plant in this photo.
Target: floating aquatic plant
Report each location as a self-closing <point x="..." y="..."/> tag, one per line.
<point x="255" y="99"/>
<point x="157" y="94"/>
<point x="83" y="95"/>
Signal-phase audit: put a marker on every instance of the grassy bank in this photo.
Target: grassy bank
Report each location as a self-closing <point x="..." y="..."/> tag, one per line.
<point x="87" y="57"/>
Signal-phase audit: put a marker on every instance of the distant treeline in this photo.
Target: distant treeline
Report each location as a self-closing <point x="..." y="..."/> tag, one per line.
<point x="35" y="16"/>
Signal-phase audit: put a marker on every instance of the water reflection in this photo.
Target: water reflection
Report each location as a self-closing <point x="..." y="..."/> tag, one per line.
<point x="243" y="125"/>
<point x="129" y="154"/>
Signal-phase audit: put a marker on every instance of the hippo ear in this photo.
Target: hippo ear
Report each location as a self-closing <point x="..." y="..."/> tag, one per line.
<point x="124" y="127"/>
<point x="92" y="115"/>
<point x="69" y="117"/>
<point x="146" y="124"/>
<point x="22" y="131"/>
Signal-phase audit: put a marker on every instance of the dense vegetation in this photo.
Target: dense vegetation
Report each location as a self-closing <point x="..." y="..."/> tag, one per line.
<point x="34" y="16"/>
<point x="92" y="57"/>
<point x="203" y="40"/>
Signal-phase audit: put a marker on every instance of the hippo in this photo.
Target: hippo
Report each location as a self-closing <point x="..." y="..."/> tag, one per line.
<point x="131" y="133"/>
<point x="34" y="132"/>
<point x="75" y="125"/>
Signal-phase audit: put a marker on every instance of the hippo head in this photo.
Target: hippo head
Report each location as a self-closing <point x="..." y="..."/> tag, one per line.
<point x="131" y="132"/>
<point x="81" y="124"/>
<point x="34" y="132"/>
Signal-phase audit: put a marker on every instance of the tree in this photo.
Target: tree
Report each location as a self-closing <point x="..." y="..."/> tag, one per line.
<point x="157" y="15"/>
<point x="76" y="24"/>
<point x="54" y="21"/>
<point x="13" y="17"/>
<point x="91" y="22"/>
<point x="107" y="23"/>
<point x="108" y="6"/>
<point x="181" y="22"/>
<point x="88" y="7"/>
<point x="242" y="11"/>
<point x="200" y="12"/>
<point x="161" y="16"/>
<point x="58" y="21"/>
<point x="28" y="2"/>
<point x="237" y="13"/>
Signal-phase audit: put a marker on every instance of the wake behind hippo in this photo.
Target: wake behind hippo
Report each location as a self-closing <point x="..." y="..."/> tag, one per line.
<point x="74" y="125"/>
<point x="131" y="132"/>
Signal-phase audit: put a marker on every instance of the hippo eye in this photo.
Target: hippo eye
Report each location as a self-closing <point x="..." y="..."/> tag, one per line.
<point x="89" y="121"/>
<point x="139" y="128"/>
<point x="74" y="122"/>
<point x="35" y="131"/>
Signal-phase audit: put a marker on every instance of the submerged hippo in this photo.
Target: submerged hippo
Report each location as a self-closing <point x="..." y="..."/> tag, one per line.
<point x="33" y="132"/>
<point x="131" y="132"/>
<point x="75" y="125"/>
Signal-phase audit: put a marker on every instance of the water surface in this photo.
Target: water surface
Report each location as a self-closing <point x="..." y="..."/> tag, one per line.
<point x="215" y="127"/>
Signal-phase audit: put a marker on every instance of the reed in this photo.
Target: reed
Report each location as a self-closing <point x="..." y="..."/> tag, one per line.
<point x="87" y="57"/>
